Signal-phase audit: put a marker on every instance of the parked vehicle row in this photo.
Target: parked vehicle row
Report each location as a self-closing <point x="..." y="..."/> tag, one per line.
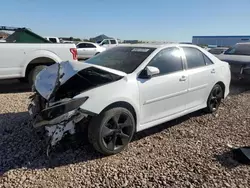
<point x="238" y="58"/>
<point x="127" y="89"/>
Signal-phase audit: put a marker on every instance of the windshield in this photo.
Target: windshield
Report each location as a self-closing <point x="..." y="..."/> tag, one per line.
<point x="125" y="59"/>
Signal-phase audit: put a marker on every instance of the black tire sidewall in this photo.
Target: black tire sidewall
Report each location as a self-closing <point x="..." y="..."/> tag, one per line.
<point x="95" y="128"/>
<point x="209" y="109"/>
<point x="34" y="72"/>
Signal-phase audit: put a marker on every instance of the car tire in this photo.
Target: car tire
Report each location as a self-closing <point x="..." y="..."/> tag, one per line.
<point x="111" y="130"/>
<point x="97" y="53"/>
<point x="34" y="72"/>
<point x="214" y="99"/>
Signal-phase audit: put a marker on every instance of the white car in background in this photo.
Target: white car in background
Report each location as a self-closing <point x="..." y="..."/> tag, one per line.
<point x="127" y="89"/>
<point x="88" y="49"/>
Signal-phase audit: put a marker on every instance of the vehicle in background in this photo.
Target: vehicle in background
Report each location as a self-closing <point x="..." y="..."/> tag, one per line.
<point x="88" y="49"/>
<point x="25" y="54"/>
<point x="127" y="89"/>
<point x="108" y="43"/>
<point x="57" y="40"/>
<point x="218" y="50"/>
<point x="25" y="60"/>
<point x="238" y="58"/>
<point x="53" y="39"/>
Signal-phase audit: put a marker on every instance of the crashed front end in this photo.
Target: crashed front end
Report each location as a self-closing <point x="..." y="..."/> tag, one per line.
<point x="55" y="106"/>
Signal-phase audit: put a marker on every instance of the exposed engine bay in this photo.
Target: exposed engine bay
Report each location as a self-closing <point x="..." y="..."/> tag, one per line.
<point x="55" y="106"/>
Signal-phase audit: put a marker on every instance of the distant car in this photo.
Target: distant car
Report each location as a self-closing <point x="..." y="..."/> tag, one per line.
<point x="127" y="89"/>
<point x="108" y="43"/>
<point x="238" y="58"/>
<point x="88" y="49"/>
<point x="217" y="50"/>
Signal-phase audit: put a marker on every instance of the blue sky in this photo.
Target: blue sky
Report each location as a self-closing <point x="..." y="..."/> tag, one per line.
<point x="170" y="20"/>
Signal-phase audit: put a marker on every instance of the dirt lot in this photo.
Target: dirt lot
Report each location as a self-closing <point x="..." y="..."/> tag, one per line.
<point x="188" y="152"/>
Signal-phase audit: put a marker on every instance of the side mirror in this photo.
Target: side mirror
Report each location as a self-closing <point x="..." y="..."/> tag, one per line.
<point x="148" y="72"/>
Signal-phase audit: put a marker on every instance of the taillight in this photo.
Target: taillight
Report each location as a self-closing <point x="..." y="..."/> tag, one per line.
<point x="74" y="53"/>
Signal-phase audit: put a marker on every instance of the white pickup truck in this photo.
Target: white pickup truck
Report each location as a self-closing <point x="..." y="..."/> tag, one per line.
<point x="108" y="43"/>
<point x="26" y="60"/>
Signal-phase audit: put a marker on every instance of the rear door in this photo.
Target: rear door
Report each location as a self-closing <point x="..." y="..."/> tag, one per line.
<point x="202" y="75"/>
<point x="113" y="43"/>
<point x="90" y="49"/>
<point x="81" y="50"/>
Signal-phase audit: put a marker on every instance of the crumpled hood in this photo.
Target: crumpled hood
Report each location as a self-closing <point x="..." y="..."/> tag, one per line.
<point x="58" y="74"/>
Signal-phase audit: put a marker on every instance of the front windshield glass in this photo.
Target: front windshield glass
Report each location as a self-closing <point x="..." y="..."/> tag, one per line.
<point x="125" y="59"/>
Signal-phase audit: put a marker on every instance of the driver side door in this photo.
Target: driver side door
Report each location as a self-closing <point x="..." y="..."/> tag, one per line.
<point x="164" y="94"/>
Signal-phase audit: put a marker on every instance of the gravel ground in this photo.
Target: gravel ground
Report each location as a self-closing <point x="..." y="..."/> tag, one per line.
<point x="191" y="151"/>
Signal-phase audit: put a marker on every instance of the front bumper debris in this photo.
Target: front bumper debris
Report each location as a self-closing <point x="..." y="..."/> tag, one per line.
<point x="55" y="128"/>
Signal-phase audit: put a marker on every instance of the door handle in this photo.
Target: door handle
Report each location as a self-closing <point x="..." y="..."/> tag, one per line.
<point x="183" y="78"/>
<point x="213" y="71"/>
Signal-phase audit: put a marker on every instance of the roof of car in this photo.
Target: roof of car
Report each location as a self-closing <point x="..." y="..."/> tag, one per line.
<point x="243" y="43"/>
<point x="148" y="45"/>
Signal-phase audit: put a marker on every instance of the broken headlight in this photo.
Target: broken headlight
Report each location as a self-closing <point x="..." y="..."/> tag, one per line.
<point x="62" y="108"/>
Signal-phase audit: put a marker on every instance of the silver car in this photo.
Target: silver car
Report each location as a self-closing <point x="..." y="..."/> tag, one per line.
<point x="87" y="50"/>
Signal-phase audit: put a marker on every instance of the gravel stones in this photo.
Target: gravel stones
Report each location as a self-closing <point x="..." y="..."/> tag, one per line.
<point x="191" y="151"/>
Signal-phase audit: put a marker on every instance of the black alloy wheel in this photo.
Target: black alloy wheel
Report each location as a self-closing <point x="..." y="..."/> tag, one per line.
<point x="214" y="99"/>
<point x="116" y="132"/>
<point x="111" y="131"/>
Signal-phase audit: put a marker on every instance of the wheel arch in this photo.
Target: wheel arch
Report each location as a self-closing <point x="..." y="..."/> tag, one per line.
<point x="222" y="86"/>
<point x="38" y="61"/>
<point x="39" y="57"/>
<point x="123" y="104"/>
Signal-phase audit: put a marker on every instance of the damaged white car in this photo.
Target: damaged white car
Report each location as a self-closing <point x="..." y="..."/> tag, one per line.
<point x="125" y="90"/>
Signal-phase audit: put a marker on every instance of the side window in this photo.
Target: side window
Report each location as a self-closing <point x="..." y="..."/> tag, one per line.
<point x="90" y="45"/>
<point x="105" y="42"/>
<point x="112" y="41"/>
<point x="167" y="61"/>
<point x="52" y="40"/>
<point x="243" y="49"/>
<point x="207" y="60"/>
<point x="194" y="57"/>
<point x="81" y="45"/>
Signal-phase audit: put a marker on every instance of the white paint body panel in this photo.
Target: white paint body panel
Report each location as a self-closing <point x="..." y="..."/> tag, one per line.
<point x="84" y="53"/>
<point x="15" y="57"/>
<point x="163" y="98"/>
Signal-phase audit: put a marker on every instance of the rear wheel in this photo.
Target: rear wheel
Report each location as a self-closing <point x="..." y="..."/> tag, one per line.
<point x="214" y="99"/>
<point x="34" y="72"/>
<point x="112" y="130"/>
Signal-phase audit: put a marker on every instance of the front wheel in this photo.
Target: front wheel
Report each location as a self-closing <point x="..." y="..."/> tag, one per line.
<point x="112" y="130"/>
<point x="214" y="99"/>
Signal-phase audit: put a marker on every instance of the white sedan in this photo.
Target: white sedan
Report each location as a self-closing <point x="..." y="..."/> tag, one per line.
<point x="127" y="89"/>
<point x="88" y="49"/>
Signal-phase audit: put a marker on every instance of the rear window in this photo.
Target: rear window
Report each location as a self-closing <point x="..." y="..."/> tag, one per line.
<point x="113" y="41"/>
<point x="125" y="59"/>
<point x="52" y="40"/>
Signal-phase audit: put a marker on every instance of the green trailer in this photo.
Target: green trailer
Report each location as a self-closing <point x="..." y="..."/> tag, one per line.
<point x="23" y="35"/>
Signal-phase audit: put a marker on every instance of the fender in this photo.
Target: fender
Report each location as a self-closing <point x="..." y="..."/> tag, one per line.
<point x="91" y="106"/>
<point x="37" y="54"/>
